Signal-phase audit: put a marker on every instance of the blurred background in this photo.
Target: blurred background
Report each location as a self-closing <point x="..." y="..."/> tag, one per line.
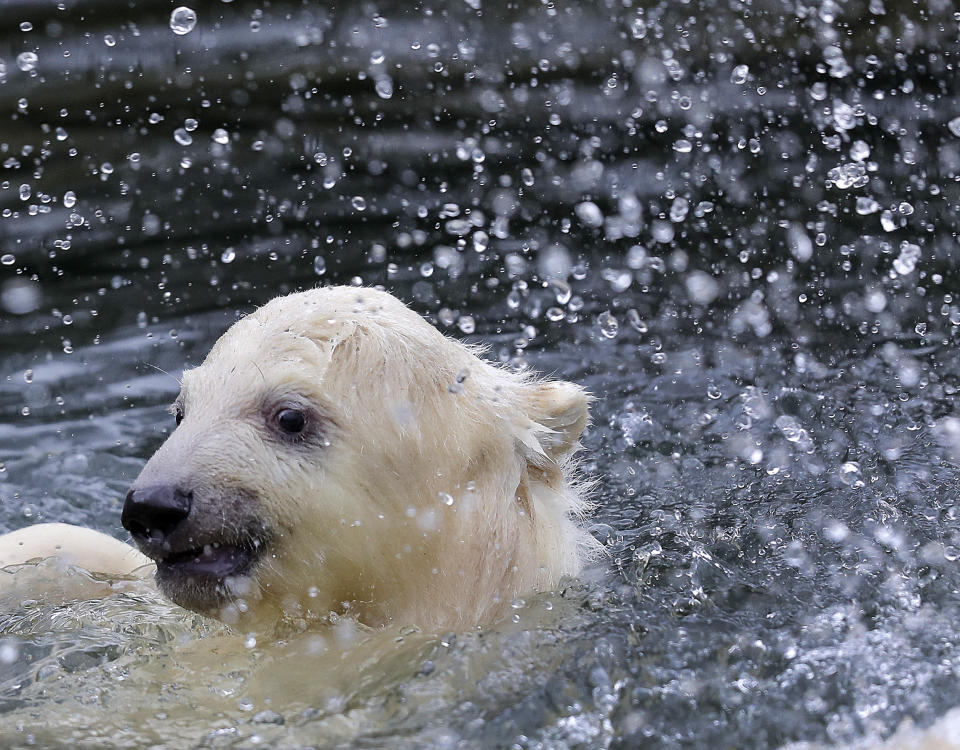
<point x="735" y="222"/>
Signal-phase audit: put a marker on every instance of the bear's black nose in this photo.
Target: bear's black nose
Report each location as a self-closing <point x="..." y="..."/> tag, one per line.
<point x="152" y="513"/>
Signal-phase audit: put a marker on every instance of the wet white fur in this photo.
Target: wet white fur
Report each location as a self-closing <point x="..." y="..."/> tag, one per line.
<point x="446" y="489"/>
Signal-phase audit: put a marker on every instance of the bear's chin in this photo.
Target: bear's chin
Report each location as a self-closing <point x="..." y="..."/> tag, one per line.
<point x="206" y="579"/>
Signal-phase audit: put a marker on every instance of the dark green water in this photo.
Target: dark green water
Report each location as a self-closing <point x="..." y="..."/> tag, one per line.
<point x="736" y="223"/>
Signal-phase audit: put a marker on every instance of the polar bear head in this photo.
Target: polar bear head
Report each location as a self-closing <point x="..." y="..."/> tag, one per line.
<point x="335" y="453"/>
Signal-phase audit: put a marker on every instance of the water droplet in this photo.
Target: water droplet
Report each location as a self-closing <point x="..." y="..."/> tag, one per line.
<point x="609" y="327"/>
<point x="850" y="474"/>
<point x="7" y="259"/>
<point x="26" y="26"/>
<point x="887" y="222"/>
<point x="799" y="242"/>
<point x="679" y="209"/>
<point x="638" y="28"/>
<point x="906" y="262"/>
<point x="702" y="287"/>
<point x="183" y="20"/>
<point x="481" y="240"/>
<point x="589" y="213"/>
<point x="466" y="324"/>
<point x="859" y="150"/>
<point x="27" y="61"/>
<point x="383" y="85"/>
<point x="8" y="651"/>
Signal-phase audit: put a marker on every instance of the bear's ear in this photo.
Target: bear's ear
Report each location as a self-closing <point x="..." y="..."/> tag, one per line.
<point x="561" y="409"/>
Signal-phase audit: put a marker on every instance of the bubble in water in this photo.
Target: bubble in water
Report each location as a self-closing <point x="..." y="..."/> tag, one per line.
<point x="181" y="136"/>
<point x="7" y="259"/>
<point x="183" y="20"/>
<point x="28" y="376"/>
<point x="683" y="146"/>
<point x="740" y="74"/>
<point x="109" y="40"/>
<point x="27" y="61"/>
<point x="866" y="205"/>
<point x="954" y="126"/>
<point x="228" y="255"/>
<point x="359" y="203"/>
<point x="69" y="199"/>
<point x="221" y="136"/>
<point x="526" y="176"/>
<point x="319" y="265"/>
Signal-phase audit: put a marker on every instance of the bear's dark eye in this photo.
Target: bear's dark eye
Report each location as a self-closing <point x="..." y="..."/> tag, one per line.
<point x="291" y="421"/>
<point x="178" y="414"/>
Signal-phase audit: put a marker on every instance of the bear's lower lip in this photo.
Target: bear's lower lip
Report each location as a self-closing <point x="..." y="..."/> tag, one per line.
<point x="210" y="561"/>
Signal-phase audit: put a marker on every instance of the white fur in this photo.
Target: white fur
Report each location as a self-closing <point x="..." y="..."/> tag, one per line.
<point x="446" y="489"/>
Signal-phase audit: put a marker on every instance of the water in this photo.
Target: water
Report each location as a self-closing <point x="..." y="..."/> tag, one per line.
<point x="735" y="224"/>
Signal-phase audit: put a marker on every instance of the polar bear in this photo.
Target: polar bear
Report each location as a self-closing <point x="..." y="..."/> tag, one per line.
<point x="335" y="455"/>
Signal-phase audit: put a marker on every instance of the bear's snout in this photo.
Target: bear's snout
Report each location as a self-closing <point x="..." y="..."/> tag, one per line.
<point x="152" y="514"/>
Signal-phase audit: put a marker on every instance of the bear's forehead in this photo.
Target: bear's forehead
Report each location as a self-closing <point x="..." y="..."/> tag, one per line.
<point x="261" y="359"/>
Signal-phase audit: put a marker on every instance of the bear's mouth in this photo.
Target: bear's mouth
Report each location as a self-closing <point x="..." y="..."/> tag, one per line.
<point x="213" y="561"/>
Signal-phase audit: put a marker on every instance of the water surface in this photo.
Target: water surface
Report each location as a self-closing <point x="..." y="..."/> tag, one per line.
<point x="735" y="223"/>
